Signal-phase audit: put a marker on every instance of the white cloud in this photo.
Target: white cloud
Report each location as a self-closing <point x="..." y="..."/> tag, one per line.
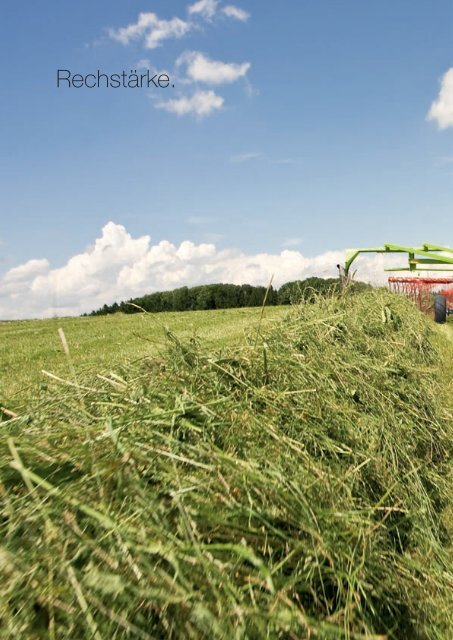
<point x="144" y="63"/>
<point x="208" y="9"/>
<point x="442" y="109"/>
<point x="27" y="270"/>
<point x="200" y="104"/>
<point x="134" y="31"/>
<point x="244" y="157"/>
<point x="205" y="8"/>
<point x="292" y="242"/>
<point x="201" y="69"/>
<point x="118" y="267"/>
<point x="235" y="12"/>
<point x="151" y="29"/>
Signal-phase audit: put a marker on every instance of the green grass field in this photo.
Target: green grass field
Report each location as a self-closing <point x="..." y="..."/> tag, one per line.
<point x="101" y="344"/>
<point x="282" y="479"/>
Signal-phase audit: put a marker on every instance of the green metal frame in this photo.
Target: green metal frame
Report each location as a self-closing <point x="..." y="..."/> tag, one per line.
<point x="430" y="254"/>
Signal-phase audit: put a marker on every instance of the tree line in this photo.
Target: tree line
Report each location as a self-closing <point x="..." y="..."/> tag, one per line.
<point x="224" y="296"/>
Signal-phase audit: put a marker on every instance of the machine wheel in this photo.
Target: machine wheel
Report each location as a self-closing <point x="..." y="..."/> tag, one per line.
<point x="440" y="308"/>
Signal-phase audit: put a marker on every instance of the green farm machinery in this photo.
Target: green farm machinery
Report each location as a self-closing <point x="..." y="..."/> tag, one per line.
<point x="431" y="294"/>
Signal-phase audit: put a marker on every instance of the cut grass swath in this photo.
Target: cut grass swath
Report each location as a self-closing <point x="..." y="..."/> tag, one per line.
<point x="224" y="495"/>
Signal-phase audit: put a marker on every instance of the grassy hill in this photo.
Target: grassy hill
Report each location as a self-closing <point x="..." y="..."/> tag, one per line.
<point x="295" y="483"/>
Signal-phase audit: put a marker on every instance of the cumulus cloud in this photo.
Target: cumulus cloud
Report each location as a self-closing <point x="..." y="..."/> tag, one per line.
<point x="200" y="68"/>
<point x="205" y="8"/>
<point x="25" y="271"/>
<point x="200" y="104"/>
<point x="118" y="267"/>
<point x="151" y="29"/>
<point x="442" y="109"/>
<point x="237" y="13"/>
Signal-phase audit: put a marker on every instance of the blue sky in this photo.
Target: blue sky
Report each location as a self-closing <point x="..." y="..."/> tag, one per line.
<point x="322" y="141"/>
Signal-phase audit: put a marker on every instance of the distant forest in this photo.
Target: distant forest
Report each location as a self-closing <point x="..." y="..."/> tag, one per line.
<point x="224" y="296"/>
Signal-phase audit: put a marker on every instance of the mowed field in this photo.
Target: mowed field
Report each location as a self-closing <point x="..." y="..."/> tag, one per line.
<point x="285" y="476"/>
<point x="104" y="343"/>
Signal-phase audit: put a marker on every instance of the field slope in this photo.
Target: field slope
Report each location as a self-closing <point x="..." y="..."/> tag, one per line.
<point x="296" y="485"/>
<point x="102" y="343"/>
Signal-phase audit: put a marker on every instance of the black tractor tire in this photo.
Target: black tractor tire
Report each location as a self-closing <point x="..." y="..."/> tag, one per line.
<point x="440" y="309"/>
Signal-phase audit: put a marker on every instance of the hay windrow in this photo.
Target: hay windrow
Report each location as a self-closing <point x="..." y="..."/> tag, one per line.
<point x="290" y="488"/>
